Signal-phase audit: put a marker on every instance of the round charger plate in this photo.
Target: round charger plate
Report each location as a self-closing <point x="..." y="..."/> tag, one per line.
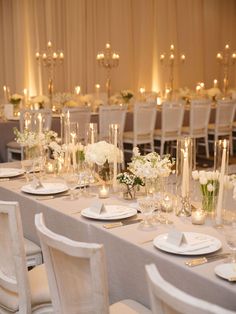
<point x="47" y="189"/>
<point x="209" y="244"/>
<point x="10" y="172"/>
<point x="226" y="271"/>
<point x="113" y="212"/>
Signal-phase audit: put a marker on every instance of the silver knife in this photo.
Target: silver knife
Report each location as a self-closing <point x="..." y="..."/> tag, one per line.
<point x="121" y="223"/>
<point x="206" y="259"/>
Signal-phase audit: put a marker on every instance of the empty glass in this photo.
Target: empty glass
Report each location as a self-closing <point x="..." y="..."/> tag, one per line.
<point x="229" y="232"/>
<point x="146" y="206"/>
<point x="71" y="179"/>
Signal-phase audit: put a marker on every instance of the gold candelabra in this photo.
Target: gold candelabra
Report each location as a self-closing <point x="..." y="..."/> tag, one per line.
<point x="109" y="60"/>
<point x="170" y="62"/>
<point x="50" y="59"/>
<point x="226" y="59"/>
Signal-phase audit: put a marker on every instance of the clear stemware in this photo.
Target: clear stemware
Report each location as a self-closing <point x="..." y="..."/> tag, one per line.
<point x="71" y="179"/>
<point x="146" y="206"/>
<point x="229" y="232"/>
<point x="27" y="165"/>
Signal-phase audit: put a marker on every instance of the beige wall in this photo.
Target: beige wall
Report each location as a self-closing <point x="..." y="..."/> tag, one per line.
<point x="139" y="30"/>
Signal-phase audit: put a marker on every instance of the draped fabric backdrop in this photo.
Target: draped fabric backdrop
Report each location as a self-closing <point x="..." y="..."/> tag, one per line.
<point x="139" y="30"/>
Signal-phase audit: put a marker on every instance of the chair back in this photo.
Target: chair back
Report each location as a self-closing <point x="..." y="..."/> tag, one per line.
<point x="108" y="115"/>
<point x="166" y="298"/>
<point x="31" y="119"/>
<point x="144" y="118"/>
<point x="14" y="283"/>
<point x="80" y="115"/>
<point x="225" y="110"/>
<point x="172" y="118"/>
<point x="199" y="117"/>
<point x="76" y="273"/>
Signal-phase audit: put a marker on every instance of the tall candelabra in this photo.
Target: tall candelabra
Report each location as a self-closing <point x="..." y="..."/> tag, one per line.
<point x="226" y="59"/>
<point x="170" y="62"/>
<point x="109" y="60"/>
<point x="50" y="59"/>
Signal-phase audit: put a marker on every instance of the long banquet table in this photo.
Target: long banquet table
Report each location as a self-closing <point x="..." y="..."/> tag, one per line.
<point x="126" y="255"/>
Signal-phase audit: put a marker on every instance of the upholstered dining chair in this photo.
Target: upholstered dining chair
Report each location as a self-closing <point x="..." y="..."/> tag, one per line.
<point x="80" y="115"/>
<point x="77" y="276"/>
<point x="21" y="291"/>
<point x="166" y="298"/>
<point x="171" y="123"/>
<point x="198" y="123"/>
<point x="225" y="110"/>
<point x="111" y="114"/>
<point x="29" y="118"/>
<point x="144" y="119"/>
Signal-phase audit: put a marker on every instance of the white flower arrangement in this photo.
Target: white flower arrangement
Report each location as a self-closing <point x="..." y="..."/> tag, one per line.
<point x="87" y="98"/>
<point x="126" y="94"/>
<point x="214" y="92"/>
<point x="102" y="152"/>
<point x="15" y="99"/>
<point x="62" y="98"/>
<point x="150" y="166"/>
<point x="71" y="104"/>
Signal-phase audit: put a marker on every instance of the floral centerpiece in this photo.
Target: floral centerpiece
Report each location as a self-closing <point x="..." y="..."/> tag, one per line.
<point x="209" y="186"/>
<point x="41" y="101"/>
<point x="101" y="154"/>
<point x="129" y="181"/>
<point x="15" y="99"/>
<point x="214" y="93"/>
<point x="152" y="168"/>
<point x="126" y="95"/>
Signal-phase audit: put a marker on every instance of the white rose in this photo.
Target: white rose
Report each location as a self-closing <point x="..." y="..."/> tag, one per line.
<point x="195" y="175"/>
<point x="210" y="187"/>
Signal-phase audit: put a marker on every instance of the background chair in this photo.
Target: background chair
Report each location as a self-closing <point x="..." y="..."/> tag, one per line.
<point x="29" y="118"/>
<point x="109" y="115"/>
<point x="77" y="276"/>
<point x="199" y="119"/>
<point x="21" y="291"/>
<point x="144" y="120"/>
<point x="165" y="298"/>
<point x="225" y="110"/>
<point x="171" y="124"/>
<point x="80" y="115"/>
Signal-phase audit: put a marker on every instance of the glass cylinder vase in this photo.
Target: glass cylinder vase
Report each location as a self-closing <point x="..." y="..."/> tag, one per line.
<point x="183" y="171"/>
<point x="221" y="161"/>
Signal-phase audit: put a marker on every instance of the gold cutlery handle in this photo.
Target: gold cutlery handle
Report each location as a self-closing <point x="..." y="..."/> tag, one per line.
<point x="232" y="279"/>
<point x="196" y="262"/>
<point x="113" y="225"/>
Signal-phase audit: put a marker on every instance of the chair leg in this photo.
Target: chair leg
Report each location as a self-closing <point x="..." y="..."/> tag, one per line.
<point x="207" y="147"/>
<point x="162" y="147"/>
<point x="231" y="145"/>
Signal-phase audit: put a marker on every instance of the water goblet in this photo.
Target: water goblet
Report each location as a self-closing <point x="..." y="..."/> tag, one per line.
<point x="71" y="179"/>
<point x="166" y="206"/>
<point x="27" y="165"/>
<point x="146" y="206"/>
<point x="229" y="232"/>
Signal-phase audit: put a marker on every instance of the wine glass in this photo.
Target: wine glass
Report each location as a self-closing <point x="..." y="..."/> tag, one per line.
<point x="229" y="232"/>
<point x="71" y="179"/>
<point x="166" y="206"/>
<point x="146" y="206"/>
<point x="27" y="165"/>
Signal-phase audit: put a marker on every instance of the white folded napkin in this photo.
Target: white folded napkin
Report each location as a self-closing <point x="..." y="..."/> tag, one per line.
<point x="194" y="243"/>
<point x="111" y="211"/>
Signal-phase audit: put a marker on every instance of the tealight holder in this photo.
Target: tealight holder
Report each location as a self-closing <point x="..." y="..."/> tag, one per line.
<point x="198" y="217"/>
<point x="103" y="191"/>
<point x="183" y="172"/>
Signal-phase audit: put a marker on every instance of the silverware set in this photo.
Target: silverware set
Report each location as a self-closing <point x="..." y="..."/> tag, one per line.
<point x="206" y="259"/>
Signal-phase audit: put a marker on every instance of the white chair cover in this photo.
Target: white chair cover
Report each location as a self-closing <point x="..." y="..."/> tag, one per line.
<point x="172" y="121"/>
<point x="167" y="299"/>
<point x="81" y="115"/>
<point x="111" y="114"/>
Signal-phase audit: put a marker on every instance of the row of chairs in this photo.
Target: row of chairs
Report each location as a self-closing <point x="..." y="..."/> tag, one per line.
<point x="74" y="280"/>
<point x="144" y="120"/>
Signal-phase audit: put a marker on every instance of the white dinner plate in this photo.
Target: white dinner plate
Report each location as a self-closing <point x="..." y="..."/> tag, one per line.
<point x="226" y="271"/>
<point x="47" y="189"/>
<point x="10" y="172"/>
<point x="112" y="212"/>
<point x="197" y="243"/>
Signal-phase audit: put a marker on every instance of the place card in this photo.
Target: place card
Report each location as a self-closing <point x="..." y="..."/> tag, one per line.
<point x="97" y="207"/>
<point x="176" y="237"/>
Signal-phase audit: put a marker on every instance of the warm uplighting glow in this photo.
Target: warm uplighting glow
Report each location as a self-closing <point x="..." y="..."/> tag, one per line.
<point x="172" y="47"/>
<point x="182" y="57"/>
<point x="215" y="83"/>
<point x="49" y="44"/>
<point x="227" y="47"/>
<point x="219" y="55"/>
<point x="142" y="90"/>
